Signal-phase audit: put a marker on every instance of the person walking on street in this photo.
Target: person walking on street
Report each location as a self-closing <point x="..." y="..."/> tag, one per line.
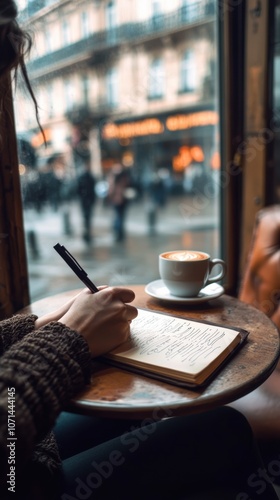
<point x="118" y="183"/>
<point x="86" y="197"/>
<point x="156" y="199"/>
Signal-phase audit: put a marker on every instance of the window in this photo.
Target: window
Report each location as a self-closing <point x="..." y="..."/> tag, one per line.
<point x="273" y="133"/>
<point x="156" y="11"/>
<point x="66" y="34"/>
<point x="48" y="40"/>
<point x="189" y="9"/>
<point x="156" y="7"/>
<point x="170" y="135"/>
<point x="111" y="21"/>
<point x="50" y="100"/>
<point x="111" y="87"/>
<point x="156" y="79"/>
<point x="85" y="89"/>
<point x="85" y="27"/>
<point x="188" y="72"/>
<point x="111" y="15"/>
<point x="69" y="95"/>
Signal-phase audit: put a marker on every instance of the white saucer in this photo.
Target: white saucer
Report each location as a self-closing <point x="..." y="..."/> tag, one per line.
<point x="158" y="290"/>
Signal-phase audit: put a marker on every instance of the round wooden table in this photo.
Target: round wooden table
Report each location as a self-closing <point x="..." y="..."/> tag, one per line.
<point x="121" y="394"/>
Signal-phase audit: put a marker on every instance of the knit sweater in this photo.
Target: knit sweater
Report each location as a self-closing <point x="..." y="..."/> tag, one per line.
<point x="40" y="371"/>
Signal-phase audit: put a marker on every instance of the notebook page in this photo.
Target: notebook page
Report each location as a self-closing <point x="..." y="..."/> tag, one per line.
<point x="174" y="343"/>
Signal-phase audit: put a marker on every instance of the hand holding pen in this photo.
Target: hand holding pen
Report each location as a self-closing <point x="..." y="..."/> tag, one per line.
<point x="103" y="319"/>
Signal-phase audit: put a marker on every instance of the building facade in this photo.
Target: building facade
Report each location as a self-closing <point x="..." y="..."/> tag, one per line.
<point x="130" y="81"/>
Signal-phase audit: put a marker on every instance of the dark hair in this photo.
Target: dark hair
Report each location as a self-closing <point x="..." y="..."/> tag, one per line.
<point x="15" y="45"/>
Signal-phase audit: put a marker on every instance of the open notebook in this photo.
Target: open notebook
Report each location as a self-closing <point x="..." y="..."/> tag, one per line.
<point x="179" y="351"/>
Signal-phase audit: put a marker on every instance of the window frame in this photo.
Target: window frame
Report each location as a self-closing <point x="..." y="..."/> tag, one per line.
<point x="14" y="284"/>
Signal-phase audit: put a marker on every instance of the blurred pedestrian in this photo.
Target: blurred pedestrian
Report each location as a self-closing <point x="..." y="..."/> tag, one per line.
<point x="30" y="191"/>
<point x="156" y="199"/>
<point x="86" y="198"/>
<point x="51" y="183"/>
<point x="58" y="188"/>
<point x="66" y="195"/>
<point x="119" y="183"/>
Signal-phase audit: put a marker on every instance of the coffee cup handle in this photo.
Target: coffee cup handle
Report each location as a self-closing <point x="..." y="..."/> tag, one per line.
<point x="221" y="274"/>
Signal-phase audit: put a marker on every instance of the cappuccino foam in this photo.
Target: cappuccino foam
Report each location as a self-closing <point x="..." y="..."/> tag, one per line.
<point x="185" y="256"/>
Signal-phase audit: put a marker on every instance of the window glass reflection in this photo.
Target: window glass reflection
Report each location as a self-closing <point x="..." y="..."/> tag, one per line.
<point x="128" y="165"/>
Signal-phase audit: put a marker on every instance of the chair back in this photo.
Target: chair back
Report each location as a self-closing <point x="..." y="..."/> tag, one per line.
<point x="261" y="283"/>
<point x="260" y="287"/>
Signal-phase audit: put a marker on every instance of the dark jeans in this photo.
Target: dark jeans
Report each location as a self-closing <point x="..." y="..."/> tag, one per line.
<point x="210" y="456"/>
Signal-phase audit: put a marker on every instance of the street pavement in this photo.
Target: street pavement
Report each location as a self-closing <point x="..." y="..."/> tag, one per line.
<point x="186" y="222"/>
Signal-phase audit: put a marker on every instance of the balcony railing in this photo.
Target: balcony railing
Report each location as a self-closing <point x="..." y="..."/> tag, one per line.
<point x="109" y="39"/>
<point x="97" y="110"/>
<point x="34" y="6"/>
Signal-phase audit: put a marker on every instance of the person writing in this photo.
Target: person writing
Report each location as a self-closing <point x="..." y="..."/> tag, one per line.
<point x="47" y="453"/>
<point x="45" y="362"/>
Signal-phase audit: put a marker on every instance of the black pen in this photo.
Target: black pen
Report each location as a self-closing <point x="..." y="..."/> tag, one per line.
<point x="75" y="266"/>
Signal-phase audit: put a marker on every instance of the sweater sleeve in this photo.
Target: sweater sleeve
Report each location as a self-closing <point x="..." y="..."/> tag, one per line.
<point x="38" y="376"/>
<point x="14" y="329"/>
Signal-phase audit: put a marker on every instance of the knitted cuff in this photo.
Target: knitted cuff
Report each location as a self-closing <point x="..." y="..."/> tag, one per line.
<point x="47" y="368"/>
<point x="14" y="329"/>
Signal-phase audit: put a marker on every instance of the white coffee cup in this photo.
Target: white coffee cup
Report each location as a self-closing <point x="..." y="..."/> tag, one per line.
<point x="186" y="272"/>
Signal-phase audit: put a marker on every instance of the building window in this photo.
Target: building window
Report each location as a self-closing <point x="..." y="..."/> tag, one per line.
<point x="111" y="21"/>
<point x="85" y="28"/>
<point x="188" y="72"/>
<point x="85" y="89"/>
<point x="48" y="41"/>
<point x="156" y="79"/>
<point x="66" y="36"/>
<point x="69" y="95"/>
<point x="189" y="10"/>
<point x="111" y="15"/>
<point x="156" y="13"/>
<point x="50" y="100"/>
<point x="111" y="87"/>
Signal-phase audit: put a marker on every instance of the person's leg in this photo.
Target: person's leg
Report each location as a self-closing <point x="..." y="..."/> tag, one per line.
<point x="86" y="214"/>
<point x="76" y="433"/>
<point x="119" y="223"/>
<point x="122" y="219"/>
<point x="270" y="451"/>
<point x="206" y="456"/>
<point x="88" y="219"/>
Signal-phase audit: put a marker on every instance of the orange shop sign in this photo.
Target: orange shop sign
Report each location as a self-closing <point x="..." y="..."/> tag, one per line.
<point x="132" y="129"/>
<point x="154" y="126"/>
<point x="185" y="121"/>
